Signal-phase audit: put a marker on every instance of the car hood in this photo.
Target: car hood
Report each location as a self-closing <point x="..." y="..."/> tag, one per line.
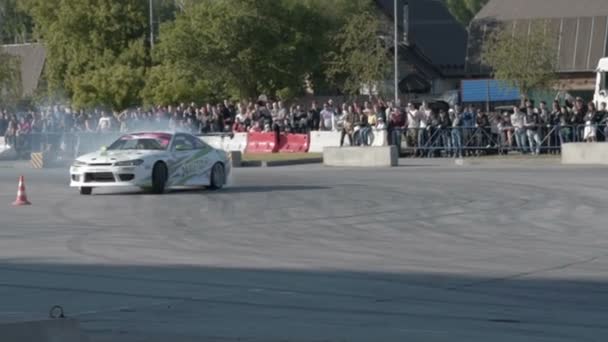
<point x="103" y="157"/>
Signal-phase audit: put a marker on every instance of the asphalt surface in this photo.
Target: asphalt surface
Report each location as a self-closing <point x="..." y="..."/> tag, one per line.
<point x="424" y="252"/>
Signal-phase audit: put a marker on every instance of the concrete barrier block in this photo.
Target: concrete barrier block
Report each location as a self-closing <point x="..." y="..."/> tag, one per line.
<point x="466" y="162"/>
<point x="322" y="139"/>
<point x="237" y="142"/>
<point x="54" y="330"/>
<point x="7" y="153"/>
<point x="214" y="141"/>
<point x="585" y="153"/>
<point x="386" y="156"/>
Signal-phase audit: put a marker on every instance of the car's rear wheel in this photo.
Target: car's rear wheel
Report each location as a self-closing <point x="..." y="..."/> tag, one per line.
<point x="218" y="177"/>
<point x="159" y="178"/>
<point x="86" y="190"/>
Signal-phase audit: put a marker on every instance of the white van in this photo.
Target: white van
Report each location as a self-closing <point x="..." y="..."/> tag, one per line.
<point x="601" y="85"/>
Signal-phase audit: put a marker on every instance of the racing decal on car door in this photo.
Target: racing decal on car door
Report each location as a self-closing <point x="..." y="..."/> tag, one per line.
<point x="190" y="167"/>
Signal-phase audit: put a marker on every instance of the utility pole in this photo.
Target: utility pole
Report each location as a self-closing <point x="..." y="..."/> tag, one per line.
<point x="151" y="24"/>
<point x="396" y="48"/>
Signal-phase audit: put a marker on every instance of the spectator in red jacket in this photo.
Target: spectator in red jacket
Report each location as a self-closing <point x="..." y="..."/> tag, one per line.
<point x="238" y="126"/>
<point x="396" y="126"/>
<point x="256" y="128"/>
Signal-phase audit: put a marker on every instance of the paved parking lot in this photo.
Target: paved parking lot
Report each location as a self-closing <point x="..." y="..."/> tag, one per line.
<point x="424" y="252"/>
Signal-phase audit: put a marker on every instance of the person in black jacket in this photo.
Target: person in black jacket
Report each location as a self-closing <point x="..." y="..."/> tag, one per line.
<point x="566" y="130"/>
<point x="577" y="119"/>
<point x="300" y="120"/>
<point x="314" y="117"/>
<point x="445" y="130"/>
<point x="433" y="135"/>
<point x="531" y="123"/>
<point x="3" y="123"/>
<point x="553" y="127"/>
<point x="484" y="130"/>
<point x="603" y="119"/>
<point x="226" y="115"/>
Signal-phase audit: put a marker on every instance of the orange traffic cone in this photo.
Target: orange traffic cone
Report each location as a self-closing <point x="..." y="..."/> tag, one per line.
<point x="21" y="196"/>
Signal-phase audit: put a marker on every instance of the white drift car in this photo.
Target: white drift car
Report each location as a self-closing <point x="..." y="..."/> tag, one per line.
<point x="152" y="161"/>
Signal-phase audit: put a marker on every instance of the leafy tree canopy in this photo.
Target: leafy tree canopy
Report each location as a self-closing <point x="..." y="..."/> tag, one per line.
<point x="465" y="10"/>
<point x="95" y="48"/>
<point x="244" y="48"/>
<point x="527" y="60"/>
<point x="361" y="58"/>
<point x="98" y="51"/>
<point x="15" y="25"/>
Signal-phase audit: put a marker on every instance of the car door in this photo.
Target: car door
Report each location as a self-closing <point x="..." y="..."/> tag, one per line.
<point x="181" y="151"/>
<point x="203" y="160"/>
<point x="192" y="159"/>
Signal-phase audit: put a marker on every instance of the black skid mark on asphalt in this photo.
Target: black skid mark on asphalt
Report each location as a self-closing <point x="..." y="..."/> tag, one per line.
<point x="505" y="320"/>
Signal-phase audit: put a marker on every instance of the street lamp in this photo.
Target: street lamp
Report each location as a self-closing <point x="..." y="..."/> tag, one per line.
<point x="396" y="53"/>
<point x="151" y="24"/>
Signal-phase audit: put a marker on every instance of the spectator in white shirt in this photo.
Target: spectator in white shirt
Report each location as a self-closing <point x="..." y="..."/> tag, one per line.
<point x="380" y="125"/>
<point x="413" y="123"/>
<point x="424" y="115"/>
<point x="105" y="123"/>
<point x="328" y="120"/>
<point x="517" y="120"/>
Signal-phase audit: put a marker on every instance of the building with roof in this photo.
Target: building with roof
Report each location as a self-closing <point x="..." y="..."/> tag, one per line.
<point x="432" y="46"/>
<point x="580" y="28"/>
<point x="32" y="57"/>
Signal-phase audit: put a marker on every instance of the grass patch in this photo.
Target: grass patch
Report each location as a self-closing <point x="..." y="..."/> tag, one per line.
<point x="279" y="156"/>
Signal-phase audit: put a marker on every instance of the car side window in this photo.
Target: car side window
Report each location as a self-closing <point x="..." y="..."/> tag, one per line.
<point x="197" y="143"/>
<point x="182" y="143"/>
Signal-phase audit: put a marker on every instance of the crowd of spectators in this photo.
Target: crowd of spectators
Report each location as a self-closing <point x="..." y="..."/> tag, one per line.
<point x="429" y="131"/>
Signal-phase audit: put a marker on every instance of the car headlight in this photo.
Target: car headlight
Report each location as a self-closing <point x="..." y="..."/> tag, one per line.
<point x="78" y="163"/>
<point x="135" y="162"/>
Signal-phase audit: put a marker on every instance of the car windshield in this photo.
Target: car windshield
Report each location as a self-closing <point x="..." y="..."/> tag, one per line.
<point x="141" y="142"/>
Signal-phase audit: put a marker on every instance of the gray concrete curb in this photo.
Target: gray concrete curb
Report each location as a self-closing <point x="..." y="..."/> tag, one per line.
<point x="276" y="163"/>
<point x="292" y="162"/>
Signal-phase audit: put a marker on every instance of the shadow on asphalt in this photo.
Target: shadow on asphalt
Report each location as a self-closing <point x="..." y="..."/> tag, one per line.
<point x="228" y="190"/>
<point x="118" y="303"/>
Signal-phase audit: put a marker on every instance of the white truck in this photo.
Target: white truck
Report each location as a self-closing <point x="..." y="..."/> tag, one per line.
<point x="601" y="85"/>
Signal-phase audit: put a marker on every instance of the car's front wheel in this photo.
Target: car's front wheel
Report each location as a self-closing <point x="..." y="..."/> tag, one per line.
<point x="159" y="178"/>
<point x="86" y="190"/>
<point x="218" y="177"/>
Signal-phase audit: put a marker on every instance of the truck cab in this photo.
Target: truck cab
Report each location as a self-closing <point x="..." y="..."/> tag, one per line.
<point x="601" y="85"/>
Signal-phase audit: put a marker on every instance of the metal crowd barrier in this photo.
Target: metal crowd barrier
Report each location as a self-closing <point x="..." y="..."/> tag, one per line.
<point x="66" y="145"/>
<point x="437" y="142"/>
<point x="429" y="142"/>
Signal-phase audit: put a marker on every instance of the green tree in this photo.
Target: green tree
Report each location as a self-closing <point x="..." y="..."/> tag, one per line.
<point x="527" y="60"/>
<point x="96" y="49"/>
<point x="465" y="10"/>
<point x="169" y="84"/>
<point x="238" y="49"/>
<point x="361" y="58"/>
<point x="16" y="25"/>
